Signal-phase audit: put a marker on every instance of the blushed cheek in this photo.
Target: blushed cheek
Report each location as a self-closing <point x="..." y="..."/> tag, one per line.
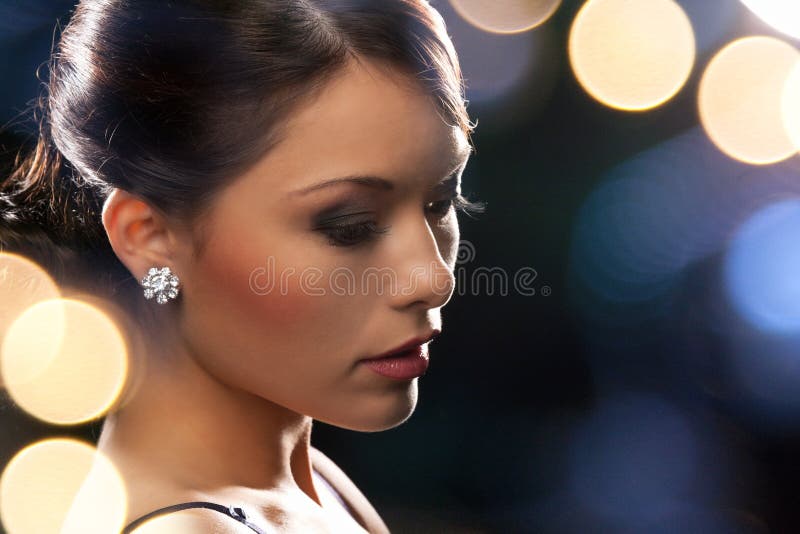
<point x="271" y="306"/>
<point x="263" y="292"/>
<point x="259" y="338"/>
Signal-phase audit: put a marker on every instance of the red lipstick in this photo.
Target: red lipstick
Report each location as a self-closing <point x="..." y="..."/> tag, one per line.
<point x="409" y="360"/>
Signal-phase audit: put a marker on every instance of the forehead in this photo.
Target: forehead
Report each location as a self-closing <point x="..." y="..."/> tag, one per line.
<point x="369" y="118"/>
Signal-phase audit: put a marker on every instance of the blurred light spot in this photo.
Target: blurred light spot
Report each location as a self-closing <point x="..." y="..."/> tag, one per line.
<point x="762" y="266"/>
<point x="740" y="99"/>
<point x="64" y="361"/>
<point x="650" y="217"/>
<point x="506" y="16"/>
<point x="655" y="215"/>
<point x="30" y="348"/>
<point x="506" y="71"/>
<point x="61" y="486"/>
<point x="634" y="459"/>
<point x="783" y="15"/>
<point x="631" y="55"/>
<point x="22" y="283"/>
<point x="791" y="105"/>
<point x="624" y="251"/>
<point x="763" y="375"/>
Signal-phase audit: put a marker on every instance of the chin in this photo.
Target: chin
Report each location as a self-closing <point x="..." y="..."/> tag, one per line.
<point x="376" y="414"/>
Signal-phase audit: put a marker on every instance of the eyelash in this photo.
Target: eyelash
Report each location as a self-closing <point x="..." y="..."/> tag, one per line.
<point x="460" y="203"/>
<point x="348" y="235"/>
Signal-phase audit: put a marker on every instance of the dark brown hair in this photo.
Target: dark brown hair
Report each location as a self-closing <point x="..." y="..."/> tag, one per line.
<point x="170" y="99"/>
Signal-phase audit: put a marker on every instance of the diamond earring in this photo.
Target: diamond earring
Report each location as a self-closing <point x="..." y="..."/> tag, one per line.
<point x="161" y="284"/>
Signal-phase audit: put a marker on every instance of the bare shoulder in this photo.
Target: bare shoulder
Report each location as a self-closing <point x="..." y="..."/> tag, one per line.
<point x="192" y="521"/>
<point x="360" y="505"/>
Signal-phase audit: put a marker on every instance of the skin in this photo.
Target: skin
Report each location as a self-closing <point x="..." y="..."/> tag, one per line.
<point x="223" y="409"/>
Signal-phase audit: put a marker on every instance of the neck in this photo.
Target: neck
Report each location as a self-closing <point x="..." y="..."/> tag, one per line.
<point x="194" y="432"/>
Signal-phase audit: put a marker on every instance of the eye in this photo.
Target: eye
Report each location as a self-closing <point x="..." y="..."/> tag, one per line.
<point x="348" y="235"/>
<point x="442" y="207"/>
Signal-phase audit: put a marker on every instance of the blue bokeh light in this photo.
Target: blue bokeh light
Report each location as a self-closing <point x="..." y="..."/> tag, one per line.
<point x="762" y="268"/>
<point x="633" y="459"/>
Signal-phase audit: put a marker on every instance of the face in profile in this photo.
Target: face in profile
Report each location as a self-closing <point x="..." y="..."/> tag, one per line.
<point x="281" y="302"/>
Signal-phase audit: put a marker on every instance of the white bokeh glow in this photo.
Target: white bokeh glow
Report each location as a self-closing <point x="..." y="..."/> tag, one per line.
<point x="783" y="15"/>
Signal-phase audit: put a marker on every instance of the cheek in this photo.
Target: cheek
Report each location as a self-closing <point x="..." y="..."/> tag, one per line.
<point x="257" y="291"/>
<point x="448" y="237"/>
<point x="269" y="304"/>
<point x="263" y="334"/>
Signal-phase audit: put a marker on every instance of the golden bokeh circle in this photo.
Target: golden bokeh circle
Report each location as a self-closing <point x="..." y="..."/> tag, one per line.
<point x="65" y="361"/>
<point x="61" y="485"/>
<point x="740" y="99"/>
<point x="790" y="106"/>
<point x="22" y="283"/>
<point x="506" y="16"/>
<point x="631" y="56"/>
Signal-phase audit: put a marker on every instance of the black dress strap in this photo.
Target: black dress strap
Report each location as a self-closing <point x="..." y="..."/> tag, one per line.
<point x="231" y="511"/>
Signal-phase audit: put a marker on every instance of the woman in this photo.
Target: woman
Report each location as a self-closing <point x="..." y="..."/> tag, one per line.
<point x="295" y="165"/>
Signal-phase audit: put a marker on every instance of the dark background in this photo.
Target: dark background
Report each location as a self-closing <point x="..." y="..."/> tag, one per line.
<point x="626" y="394"/>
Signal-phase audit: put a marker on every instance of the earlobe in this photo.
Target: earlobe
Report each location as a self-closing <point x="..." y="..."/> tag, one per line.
<point x="137" y="233"/>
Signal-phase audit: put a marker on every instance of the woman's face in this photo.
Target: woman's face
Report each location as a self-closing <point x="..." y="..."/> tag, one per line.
<point x="281" y="303"/>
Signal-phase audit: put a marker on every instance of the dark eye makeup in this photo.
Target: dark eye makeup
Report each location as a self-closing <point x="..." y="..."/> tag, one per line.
<point x="355" y="228"/>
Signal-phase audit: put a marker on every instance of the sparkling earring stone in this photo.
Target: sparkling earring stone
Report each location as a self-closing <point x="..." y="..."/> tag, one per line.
<point x="161" y="284"/>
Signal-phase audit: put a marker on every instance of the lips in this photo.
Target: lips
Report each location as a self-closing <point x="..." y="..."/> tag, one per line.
<point x="407" y="346"/>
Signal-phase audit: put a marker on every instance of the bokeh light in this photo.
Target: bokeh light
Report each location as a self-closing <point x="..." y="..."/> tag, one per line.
<point x="650" y="217"/>
<point x="61" y="486"/>
<point x="506" y="76"/>
<point x="654" y="217"/>
<point x="783" y="15"/>
<point x="762" y="266"/>
<point x="790" y="106"/>
<point x="64" y="361"/>
<point x="622" y="251"/>
<point x="740" y="99"/>
<point x="762" y="375"/>
<point x="506" y="16"/>
<point x="631" y="55"/>
<point x="22" y="283"/>
<point x="633" y="460"/>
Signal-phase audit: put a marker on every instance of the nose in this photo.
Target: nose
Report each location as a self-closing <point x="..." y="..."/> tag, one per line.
<point x="425" y="278"/>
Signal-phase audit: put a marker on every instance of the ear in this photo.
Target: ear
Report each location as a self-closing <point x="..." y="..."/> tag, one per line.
<point x="139" y="234"/>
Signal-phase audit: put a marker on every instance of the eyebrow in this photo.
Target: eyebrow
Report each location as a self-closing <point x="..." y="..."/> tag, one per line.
<point x="381" y="183"/>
